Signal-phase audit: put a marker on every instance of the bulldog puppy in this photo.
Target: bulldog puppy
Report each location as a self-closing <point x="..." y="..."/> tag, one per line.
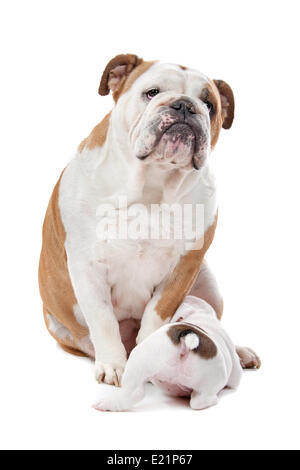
<point x="192" y="356"/>
<point x="101" y="294"/>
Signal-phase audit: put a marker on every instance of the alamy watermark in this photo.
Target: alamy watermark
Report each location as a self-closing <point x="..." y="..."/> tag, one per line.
<point x="163" y="221"/>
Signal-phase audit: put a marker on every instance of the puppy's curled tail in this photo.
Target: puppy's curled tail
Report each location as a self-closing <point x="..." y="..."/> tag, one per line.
<point x="192" y="338"/>
<point x="185" y="335"/>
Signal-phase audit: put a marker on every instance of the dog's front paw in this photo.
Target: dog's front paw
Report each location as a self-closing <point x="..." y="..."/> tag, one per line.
<point x="248" y="358"/>
<point x="110" y="374"/>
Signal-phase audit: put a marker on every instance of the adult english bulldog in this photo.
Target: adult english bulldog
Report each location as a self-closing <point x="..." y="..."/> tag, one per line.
<point x="101" y="295"/>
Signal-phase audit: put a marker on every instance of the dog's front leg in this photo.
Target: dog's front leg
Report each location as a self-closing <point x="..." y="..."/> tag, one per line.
<point x="89" y="281"/>
<point x="151" y="320"/>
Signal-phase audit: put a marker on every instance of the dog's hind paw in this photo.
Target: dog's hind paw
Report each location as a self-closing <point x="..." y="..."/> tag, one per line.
<point x="248" y="358"/>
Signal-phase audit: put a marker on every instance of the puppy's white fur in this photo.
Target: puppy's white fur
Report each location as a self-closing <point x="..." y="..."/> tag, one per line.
<point x="180" y="373"/>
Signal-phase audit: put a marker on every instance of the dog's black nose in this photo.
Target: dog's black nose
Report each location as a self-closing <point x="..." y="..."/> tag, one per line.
<point x="183" y="106"/>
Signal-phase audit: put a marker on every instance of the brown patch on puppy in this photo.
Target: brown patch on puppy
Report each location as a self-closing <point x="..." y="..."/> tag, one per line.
<point x="54" y="279"/>
<point x="183" y="276"/>
<point x="183" y="67"/>
<point x="98" y="135"/>
<point x="206" y="348"/>
<point x="116" y="73"/>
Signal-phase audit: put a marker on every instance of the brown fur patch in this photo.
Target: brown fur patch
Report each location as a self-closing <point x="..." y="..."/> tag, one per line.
<point x="183" y="277"/>
<point x="135" y="74"/>
<point x="98" y="135"/>
<point x="219" y="311"/>
<point x="67" y="344"/>
<point x="248" y="358"/>
<point x="227" y="102"/>
<point x="71" y="349"/>
<point x="206" y="349"/>
<point x="128" y="60"/>
<point x="54" y="279"/>
<point x="210" y="93"/>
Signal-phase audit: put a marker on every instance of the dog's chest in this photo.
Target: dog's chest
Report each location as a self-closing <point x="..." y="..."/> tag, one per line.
<point x="134" y="269"/>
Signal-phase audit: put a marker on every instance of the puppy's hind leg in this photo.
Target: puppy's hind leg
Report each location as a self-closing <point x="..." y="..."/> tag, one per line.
<point x="213" y="379"/>
<point x="120" y="399"/>
<point x="200" y="401"/>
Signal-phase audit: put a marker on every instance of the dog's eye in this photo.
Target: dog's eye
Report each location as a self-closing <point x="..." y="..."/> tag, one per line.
<point x="210" y="106"/>
<point x="151" y="93"/>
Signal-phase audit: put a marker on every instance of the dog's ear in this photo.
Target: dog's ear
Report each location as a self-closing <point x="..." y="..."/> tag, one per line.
<point x="227" y="102"/>
<point x="116" y="73"/>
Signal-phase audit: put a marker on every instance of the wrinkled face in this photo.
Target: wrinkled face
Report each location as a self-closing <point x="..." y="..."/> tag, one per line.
<point x="172" y="116"/>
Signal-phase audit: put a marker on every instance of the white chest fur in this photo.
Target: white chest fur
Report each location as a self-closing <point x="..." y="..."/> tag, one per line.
<point x="135" y="268"/>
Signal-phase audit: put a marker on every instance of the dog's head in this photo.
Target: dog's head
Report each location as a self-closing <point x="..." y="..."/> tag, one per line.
<point x="168" y="113"/>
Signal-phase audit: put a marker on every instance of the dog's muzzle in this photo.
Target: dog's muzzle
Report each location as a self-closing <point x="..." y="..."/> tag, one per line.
<point x="176" y="134"/>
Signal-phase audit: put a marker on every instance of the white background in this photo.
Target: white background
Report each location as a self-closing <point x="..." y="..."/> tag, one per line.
<point x="52" y="56"/>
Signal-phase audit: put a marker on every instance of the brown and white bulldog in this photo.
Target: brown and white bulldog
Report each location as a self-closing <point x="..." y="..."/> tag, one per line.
<point x="101" y="294"/>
